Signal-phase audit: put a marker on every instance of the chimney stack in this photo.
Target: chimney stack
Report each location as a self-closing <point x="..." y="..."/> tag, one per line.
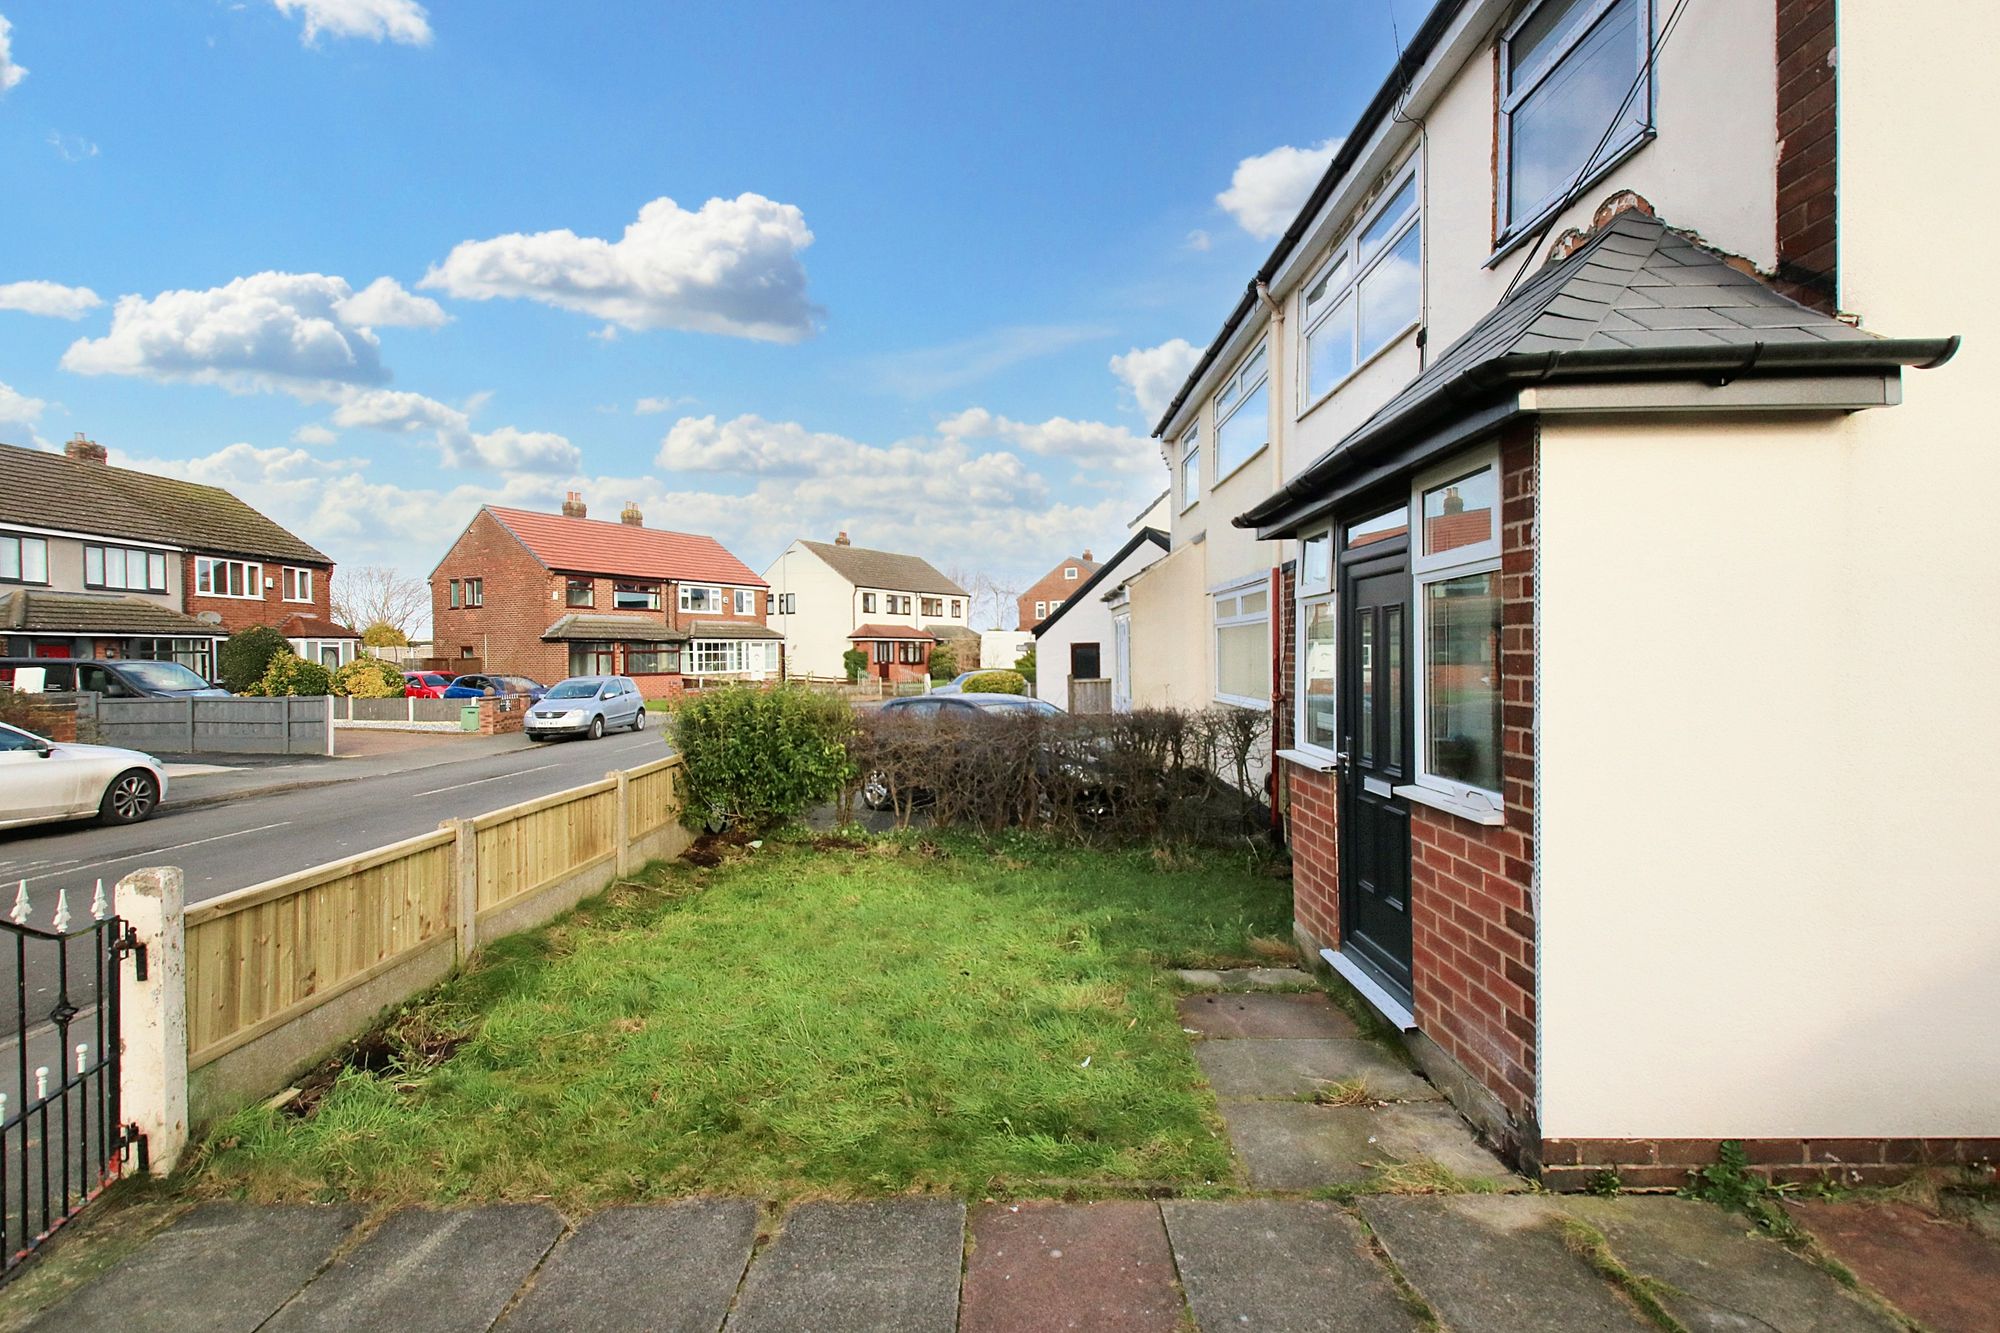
<point x="1086" y="555"/>
<point x="841" y="540"/>
<point x="573" y="506"/>
<point x="631" y="516"/>
<point x="84" y="451"/>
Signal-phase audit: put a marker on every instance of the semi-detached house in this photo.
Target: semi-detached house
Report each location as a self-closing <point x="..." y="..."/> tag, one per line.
<point x="830" y="598"/>
<point x="108" y="562"/>
<point x="554" y="595"/>
<point x="1580" y="483"/>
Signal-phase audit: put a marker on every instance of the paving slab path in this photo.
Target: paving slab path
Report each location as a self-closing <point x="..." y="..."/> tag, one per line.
<point x="1475" y="1262"/>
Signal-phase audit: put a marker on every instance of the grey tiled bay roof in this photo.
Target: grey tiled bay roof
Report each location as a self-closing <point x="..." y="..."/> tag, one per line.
<point x="884" y="569"/>
<point x="731" y="629"/>
<point x="1635" y="299"/>
<point x="625" y="629"/>
<point x="47" y="490"/>
<point x="25" y="611"/>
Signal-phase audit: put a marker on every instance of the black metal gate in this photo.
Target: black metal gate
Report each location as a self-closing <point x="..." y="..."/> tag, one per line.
<point x="62" y="1136"/>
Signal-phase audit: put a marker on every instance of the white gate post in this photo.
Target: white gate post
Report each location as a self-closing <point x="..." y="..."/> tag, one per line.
<point x="153" y="1036"/>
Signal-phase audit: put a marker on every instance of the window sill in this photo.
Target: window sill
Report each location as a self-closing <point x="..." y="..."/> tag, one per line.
<point x="1318" y="763"/>
<point x="1243" y="701"/>
<point x="1478" y="812"/>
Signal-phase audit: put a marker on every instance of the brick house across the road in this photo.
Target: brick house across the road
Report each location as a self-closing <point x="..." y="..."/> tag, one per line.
<point x="1550" y="485"/>
<point x="1051" y="590"/>
<point x="554" y="595"/>
<point x="830" y="597"/>
<point x="102" y="561"/>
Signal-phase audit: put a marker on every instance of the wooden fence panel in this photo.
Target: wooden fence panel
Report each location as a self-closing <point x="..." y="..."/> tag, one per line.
<point x="528" y="847"/>
<point x="654" y="797"/>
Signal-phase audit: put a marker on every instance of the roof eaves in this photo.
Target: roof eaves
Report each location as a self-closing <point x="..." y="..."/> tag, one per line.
<point x="1153" y="535"/>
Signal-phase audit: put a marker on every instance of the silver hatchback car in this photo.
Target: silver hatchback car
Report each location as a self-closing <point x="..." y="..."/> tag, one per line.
<point x="586" y="706"/>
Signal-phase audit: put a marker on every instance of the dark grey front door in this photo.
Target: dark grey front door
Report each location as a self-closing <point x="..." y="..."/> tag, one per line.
<point x="1375" y="660"/>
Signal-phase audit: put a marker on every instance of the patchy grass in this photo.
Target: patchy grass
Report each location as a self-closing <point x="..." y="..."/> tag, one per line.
<point x="1346" y="1092"/>
<point x="803" y="1020"/>
<point x="1424" y="1175"/>
<point x="1648" y="1294"/>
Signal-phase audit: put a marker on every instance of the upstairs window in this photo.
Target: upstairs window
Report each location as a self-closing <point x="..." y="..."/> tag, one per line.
<point x="1368" y="295"/>
<point x="694" y="598"/>
<point x="120" y="567"/>
<point x="1574" y="75"/>
<point x="900" y="604"/>
<point x="455" y="595"/>
<point x="957" y="608"/>
<point x="933" y="606"/>
<point x="475" y="592"/>
<point x="1243" y="413"/>
<point x="297" y="584"/>
<point x="1041" y="610"/>
<point x="1069" y="572"/>
<point x="24" y="560"/>
<point x="228" y="578"/>
<point x="635" y="596"/>
<point x="788" y="604"/>
<point x="580" y="592"/>
<point x="867" y="603"/>
<point x="1190" y="467"/>
<point x="746" y="601"/>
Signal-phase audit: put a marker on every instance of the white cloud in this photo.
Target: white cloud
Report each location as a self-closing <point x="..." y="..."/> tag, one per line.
<point x="71" y="147"/>
<point x="647" y="407"/>
<point x="1266" y="191"/>
<point x="1152" y="375"/>
<point x="1091" y="445"/>
<point x="511" y="450"/>
<point x="506" y="449"/>
<point x="1198" y="240"/>
<point x="17" y="408"/>
<point x="48" y="298"/>
<point x="312" y="434"/>
<point x="386" y="304"/>
<point x="377" y="20"/>
<point x="732" y="267"/>
<point x="931" y="370"/>
<point x="10" y="73"/>
<point x="270" y="332"/>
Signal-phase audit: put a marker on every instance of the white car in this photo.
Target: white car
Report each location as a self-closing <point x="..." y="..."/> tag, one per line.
<point x="46" y="780"/>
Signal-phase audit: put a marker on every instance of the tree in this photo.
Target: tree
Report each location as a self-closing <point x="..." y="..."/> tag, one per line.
<point x="992" y="598"/>
<point x="381" y="634"/>
<point x="247" y="655"/>
<point x="293" y="675"/>
<point x="944" y="661"/>
<point x="1025" y="664"/>
<point x="856" y="662"/>
<point x="369" y="678"/>
<point x="374" y="595"/>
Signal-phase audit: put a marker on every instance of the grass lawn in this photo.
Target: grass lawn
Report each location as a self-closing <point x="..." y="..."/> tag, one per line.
<point x="847" y="1020"/>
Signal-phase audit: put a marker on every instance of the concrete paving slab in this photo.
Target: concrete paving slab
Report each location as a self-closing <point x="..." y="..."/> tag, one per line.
<point x="1266" y="1069"/>
<point x="857" y="1266"/>
<point x="1049" y="1266"/>
<point x="1247" y="979"/>
<point x="1721" y="1272"/>
<point x="1943" y="1275"/>
<point x="1496" y="1263"/>
<point x="1281" y="1268"/>
<point x="224" y="1267"/>
<point x="1299" y="1146"/>
<point x="672" y="1268"/>
<point x="1278" y="1016"/>
<point x="428" y="1270"/>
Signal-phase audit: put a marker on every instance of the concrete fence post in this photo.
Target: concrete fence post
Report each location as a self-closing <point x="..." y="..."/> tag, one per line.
<point x="152" y="1017"/>
<point x="465" y="887"/>
<point x="622" y="827"/>
<point x="189" y="747"/>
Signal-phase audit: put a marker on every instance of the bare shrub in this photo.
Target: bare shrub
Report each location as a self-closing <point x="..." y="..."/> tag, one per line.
<point x="1153" y="775"/>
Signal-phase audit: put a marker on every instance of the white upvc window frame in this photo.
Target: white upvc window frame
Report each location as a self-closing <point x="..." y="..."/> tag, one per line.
<point x="1314" y="588"/>
<point x="746" y="601"/>
<point x="1189" y="479"/>
<point x="1253" y="371"/>
<point x="1216" y="623"/>
<point x="1590" y="13"/>
<point x="1041" y="610"/>
<point x="205" y="567"/>
<point x="1069" y="573"/>
<point x="295" y="579"/>
<point x="714" y="598"/>
<point x="1342" y="300"/>
<point x="1475" y="802"/>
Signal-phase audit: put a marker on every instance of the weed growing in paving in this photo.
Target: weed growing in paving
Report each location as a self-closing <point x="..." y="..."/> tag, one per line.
<point x="851" y="1019"/>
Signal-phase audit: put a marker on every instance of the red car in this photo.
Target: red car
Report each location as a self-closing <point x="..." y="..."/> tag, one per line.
<point x="426" y="684"/>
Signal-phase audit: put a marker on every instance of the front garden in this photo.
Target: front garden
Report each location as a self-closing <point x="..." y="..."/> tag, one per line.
<point x="799" y="1017"/>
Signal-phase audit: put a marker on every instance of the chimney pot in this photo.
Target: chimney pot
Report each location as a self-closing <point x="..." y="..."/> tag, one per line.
<point x="573" y="506"/>
<point x="1086" y="555"/>
<point x="83" y="450"/>
<point x="841" y="540"/>
<point x="631" y="515"/>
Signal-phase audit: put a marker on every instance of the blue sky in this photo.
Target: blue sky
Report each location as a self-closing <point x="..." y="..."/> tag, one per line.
<point x="886" y="257"/>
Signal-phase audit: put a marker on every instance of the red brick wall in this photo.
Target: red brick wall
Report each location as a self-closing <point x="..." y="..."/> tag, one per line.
<point x="1808" y="168"/>
<point x="1472" y="910"/>
<point x="1052" y="587"/>
<point x="1575" y="1164"/>
<point x="269" y="609"/>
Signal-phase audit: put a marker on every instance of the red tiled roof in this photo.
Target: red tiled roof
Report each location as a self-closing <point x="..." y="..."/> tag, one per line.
<point x="300" y="625"/>
<point x="592" y="546"/>
<point x="891" y="632"/>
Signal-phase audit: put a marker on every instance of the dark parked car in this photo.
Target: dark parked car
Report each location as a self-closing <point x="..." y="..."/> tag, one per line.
<point x="486" y="687"/>
<point x="876" y="791"/>
<point x="119" y="679"/>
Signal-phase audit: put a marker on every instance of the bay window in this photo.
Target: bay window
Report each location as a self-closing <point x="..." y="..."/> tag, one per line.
<point x="652" y="659"/>
<point x="590" y="658"/>
<point x="1369" y="294"/>
<point x="727" y="657"/>
<point x="1242" y="629"/>
<point x="1575" y="94"/>
<point x="1456" y="569"/>
<point x="123" y="568"/>
<point x="1243" y="413"/>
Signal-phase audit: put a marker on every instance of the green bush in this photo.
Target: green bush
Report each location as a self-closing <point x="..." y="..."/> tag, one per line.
<point x="997" y="682"/>
<point x="381" y="634"/>
<point x="369" y="678"/>
<point x="758" y="757"/>
<point x="944" y="661"/>
<point x="294" y="676"/>
<point x="856" y="662"/>
<point x="247" y="656"/>
<point x="1025" y="664"/>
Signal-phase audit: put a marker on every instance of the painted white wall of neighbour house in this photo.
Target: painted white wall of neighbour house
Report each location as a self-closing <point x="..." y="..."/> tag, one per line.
<point x="816" y="635"/>
<point x="1086" y="621"/>
<point x="1171" y="663"/>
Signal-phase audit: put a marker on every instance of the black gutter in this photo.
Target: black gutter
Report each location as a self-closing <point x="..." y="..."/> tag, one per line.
<point x="1154" y="535"/>
<point x="1459" y="393"/>
<point x="1379" y="109"/>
